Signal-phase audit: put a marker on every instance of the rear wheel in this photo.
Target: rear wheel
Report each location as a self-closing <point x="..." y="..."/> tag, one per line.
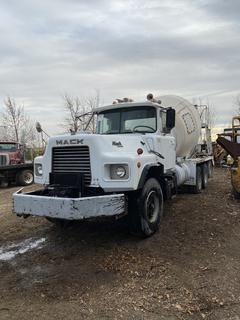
<point x="4" y="184"/>
<point x="25" y="178"/>
<point x="145" y="211"/>
<point x="198" y="187"/>
<point x="204" y="175"/>
<point x="210" y="169"/>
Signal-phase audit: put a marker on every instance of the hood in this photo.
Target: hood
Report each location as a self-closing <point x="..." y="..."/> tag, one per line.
<point x="127" y="143"/>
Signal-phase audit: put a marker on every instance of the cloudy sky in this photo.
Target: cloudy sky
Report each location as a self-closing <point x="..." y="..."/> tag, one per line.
<point x="122" y="48"/>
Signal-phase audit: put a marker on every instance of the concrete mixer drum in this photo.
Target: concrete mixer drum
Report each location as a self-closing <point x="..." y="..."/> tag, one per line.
<point x="188" y="124"/>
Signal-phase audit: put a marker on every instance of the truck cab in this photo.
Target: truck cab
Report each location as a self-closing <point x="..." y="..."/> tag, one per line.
<point x="12" y="165"/>
<point x="128" y="137"/>
<point x="11" y="153"/>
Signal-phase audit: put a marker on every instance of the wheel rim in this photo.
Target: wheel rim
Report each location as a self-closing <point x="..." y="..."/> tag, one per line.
<point x="28" y="178"/>
<point x="152" y="206"/>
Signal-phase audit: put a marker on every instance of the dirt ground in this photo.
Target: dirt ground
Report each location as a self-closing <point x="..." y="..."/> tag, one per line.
<point x="96" y="270"/>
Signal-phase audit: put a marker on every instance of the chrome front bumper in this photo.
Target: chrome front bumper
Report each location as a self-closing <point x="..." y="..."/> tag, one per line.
<point x="68" y="208"/>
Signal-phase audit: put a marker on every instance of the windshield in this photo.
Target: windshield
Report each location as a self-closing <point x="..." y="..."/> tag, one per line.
<point x="127" y="120"/>
<point x="10" y="147"/>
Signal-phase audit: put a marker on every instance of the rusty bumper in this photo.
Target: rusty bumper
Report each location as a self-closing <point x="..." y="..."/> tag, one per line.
<point x="68" y="208"/>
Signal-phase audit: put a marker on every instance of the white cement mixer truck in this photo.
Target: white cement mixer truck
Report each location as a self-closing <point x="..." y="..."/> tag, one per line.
<point x="140" y="155"/>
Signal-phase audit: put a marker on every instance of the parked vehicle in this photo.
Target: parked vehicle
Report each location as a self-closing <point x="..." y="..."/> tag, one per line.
<point x="13" y="167"/>
<point x="141" y="154"/>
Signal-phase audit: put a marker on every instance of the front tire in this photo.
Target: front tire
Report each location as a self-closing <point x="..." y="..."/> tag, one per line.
<point x="146" y="210"/>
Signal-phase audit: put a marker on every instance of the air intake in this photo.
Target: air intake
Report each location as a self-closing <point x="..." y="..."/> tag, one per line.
<point x="74" y="159"/>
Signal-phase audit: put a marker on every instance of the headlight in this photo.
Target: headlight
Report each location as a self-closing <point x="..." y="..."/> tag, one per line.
<point x="121" y="172"/>
<point x="118" y="171"/>
<point x="38" y="169"/>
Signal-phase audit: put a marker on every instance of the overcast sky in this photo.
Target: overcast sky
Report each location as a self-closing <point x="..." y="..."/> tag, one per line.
<point x="122" y="48"/>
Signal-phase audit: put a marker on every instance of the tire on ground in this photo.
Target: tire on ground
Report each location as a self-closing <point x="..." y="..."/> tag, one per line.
<point x="235" y="193"/>
<point x="25" y="178"/>
<point x="198" y="187"/>
<point x="210" y="169"/>
<point x="145" y="209"/>
<point x="205" y="172"/>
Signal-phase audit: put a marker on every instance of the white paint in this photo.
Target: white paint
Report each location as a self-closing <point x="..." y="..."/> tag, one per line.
<point x="9" y="252"/>
<point x="69" y="208"/>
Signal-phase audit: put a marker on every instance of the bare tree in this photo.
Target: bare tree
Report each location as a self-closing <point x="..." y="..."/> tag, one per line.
<point x="18" y="125"/>
<point x="80" y="112"/>
<point x="206" y="110"/>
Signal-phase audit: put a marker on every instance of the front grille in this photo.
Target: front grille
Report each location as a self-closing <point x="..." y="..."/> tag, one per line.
<point x="71" y="160"/>
<point x="3" y="160"/>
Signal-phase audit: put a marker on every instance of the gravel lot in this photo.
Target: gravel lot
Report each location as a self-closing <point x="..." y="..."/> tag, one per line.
<point x="96" y="270"/>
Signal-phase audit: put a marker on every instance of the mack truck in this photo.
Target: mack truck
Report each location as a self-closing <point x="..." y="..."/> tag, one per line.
<point x="13" y="167"/>
<point x="139" y="157"/>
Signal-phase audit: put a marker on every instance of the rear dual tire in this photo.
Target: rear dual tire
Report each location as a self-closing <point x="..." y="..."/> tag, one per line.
<point x="202" y="175"/>
<point x="205" y="175"/>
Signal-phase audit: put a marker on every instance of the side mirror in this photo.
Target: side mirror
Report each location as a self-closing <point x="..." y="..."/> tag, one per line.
<point x="170" y="119"/>
<point x="38" y="127"/>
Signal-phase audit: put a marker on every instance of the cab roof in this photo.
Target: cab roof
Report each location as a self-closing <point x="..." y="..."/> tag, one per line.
<point x="127" y="105"/>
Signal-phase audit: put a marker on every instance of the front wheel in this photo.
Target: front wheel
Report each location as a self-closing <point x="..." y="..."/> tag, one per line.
<point x="210" y="169"/>
<point x="146" y="210"/>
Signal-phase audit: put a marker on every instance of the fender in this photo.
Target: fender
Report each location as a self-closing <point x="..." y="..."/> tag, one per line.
<point x="155" y="170"/>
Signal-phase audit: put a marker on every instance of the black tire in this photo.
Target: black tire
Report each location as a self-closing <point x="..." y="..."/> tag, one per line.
<point x="25" y="178"/>
<point x="198" y="187"/>
<point x="146" y="210"/>
<point x="204" y="168"/>
<point x="210" y="169"/>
